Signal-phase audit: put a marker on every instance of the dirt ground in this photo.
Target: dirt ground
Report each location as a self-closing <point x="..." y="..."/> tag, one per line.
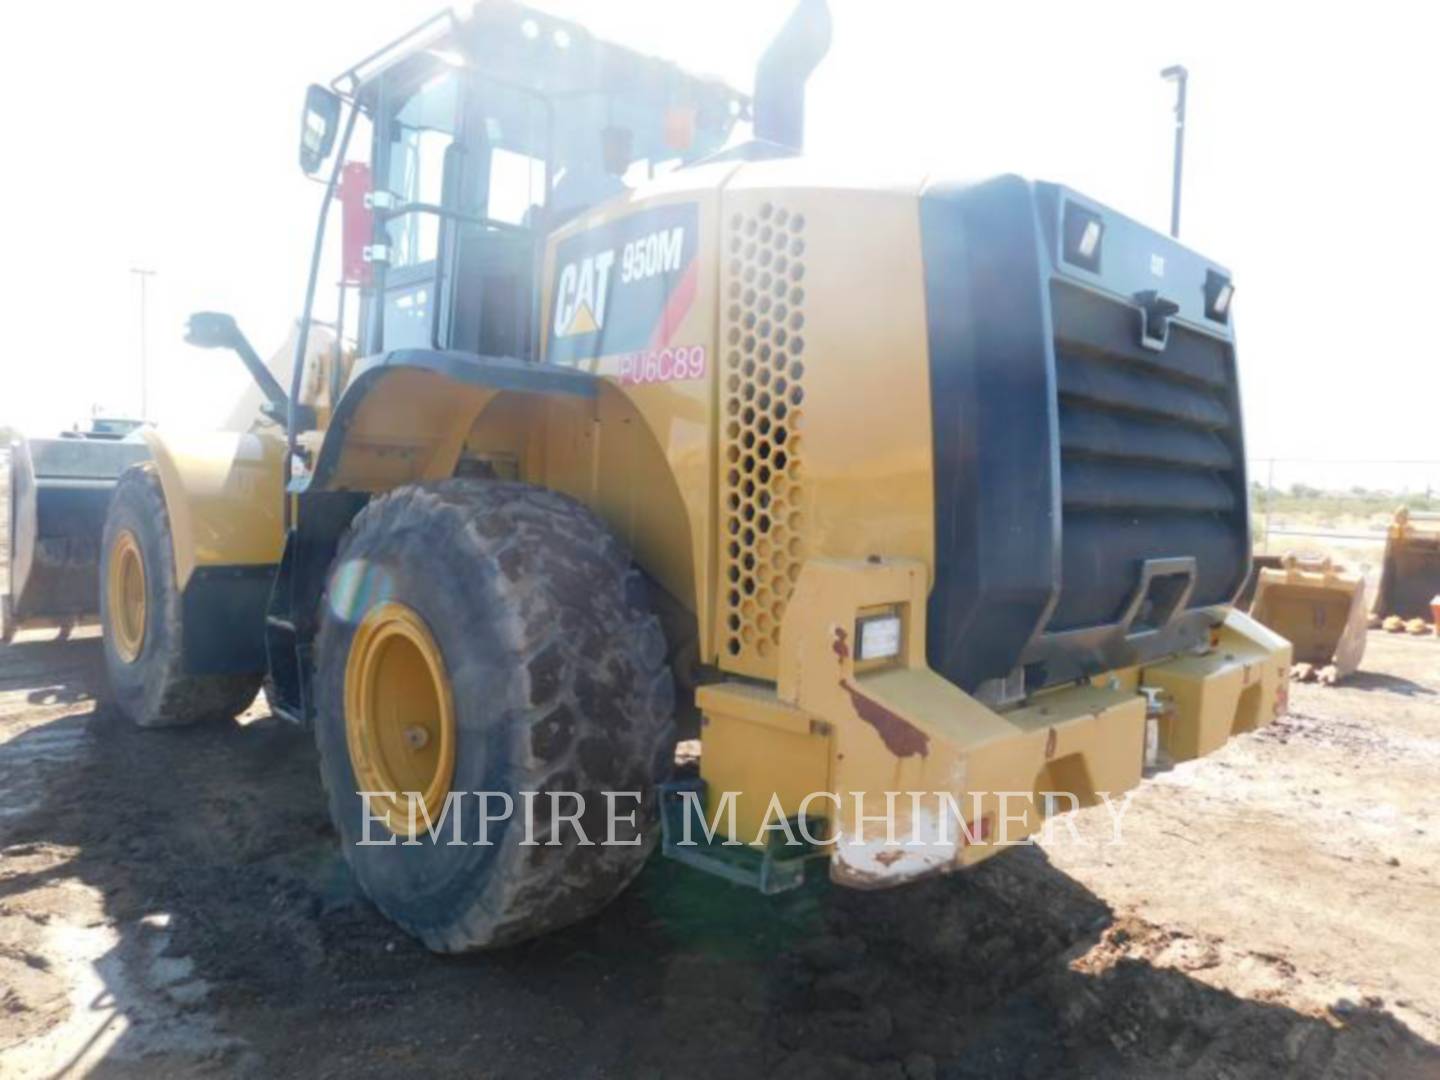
<point x="172" y="903"/>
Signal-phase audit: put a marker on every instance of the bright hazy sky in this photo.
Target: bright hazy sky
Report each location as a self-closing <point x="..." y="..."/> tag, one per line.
<point x="164" y="136"/>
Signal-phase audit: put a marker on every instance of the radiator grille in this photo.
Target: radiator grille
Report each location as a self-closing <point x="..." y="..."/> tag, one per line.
<point x="1150" y="461"/>
<point x="762" y="396"/>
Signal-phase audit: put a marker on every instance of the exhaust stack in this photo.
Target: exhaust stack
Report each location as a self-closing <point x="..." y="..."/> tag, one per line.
<point x="781" y="75"/>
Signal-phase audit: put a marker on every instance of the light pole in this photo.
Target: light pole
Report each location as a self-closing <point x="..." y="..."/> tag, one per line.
<point x="143" y="274"/>
<point x="1176" y="73"/>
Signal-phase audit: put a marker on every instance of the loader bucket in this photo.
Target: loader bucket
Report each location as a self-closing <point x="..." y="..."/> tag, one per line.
<point x="1410" y="573"/>
<point x="59" y="492"/>
<point x="1320" y="609"/>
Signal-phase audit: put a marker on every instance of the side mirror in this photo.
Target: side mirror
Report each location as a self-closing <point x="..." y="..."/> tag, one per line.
<point x="317" y="127"/>
<point x="210" y="330"/>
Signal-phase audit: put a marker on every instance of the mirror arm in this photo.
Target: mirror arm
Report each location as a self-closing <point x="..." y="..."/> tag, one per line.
<point x="212" y="329"/>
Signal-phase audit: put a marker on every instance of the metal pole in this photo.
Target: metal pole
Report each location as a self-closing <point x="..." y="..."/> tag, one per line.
<point x="144" y="345"/>
<point x="1269" y="498"/>
<point x="1179" y="76"/>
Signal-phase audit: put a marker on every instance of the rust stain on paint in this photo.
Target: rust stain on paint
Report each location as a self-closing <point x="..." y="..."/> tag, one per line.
<point x="841" y="646"/>
<point x="901" y="738"/>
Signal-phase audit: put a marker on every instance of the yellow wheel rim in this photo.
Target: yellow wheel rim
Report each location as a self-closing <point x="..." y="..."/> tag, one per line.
<point x="399" y="716"/>
<point x="125" y="585"/>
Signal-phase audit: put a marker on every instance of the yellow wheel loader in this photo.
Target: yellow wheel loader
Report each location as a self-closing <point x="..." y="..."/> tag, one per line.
<point x="877" y="486"/>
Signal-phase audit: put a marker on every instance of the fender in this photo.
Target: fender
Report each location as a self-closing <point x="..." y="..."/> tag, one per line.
<point x="415" y="415"/>
<point x="405" y="414"/>
<point x="223" y="494"/>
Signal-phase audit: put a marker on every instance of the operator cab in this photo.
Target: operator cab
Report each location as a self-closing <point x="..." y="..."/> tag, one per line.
<point x="487" y="133"/>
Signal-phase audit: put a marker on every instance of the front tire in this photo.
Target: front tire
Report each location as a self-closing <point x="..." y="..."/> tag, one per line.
<point x="140" y="617"/>
<point x="480" y="636"/>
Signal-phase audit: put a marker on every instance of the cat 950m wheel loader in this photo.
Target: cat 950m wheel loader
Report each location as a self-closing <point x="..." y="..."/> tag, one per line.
<point x="877" y="486"/>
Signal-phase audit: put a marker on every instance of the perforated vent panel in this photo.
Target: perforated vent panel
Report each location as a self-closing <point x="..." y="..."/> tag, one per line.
<point x="762" y="394"/>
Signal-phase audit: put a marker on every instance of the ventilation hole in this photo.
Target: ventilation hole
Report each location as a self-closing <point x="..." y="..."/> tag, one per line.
<point x="797" y="371"/>
<point x="764" y="523"/>
<point x="764" y="474"/>
<point x="733" y="383"/>
<point x="734" y="646"/>
<point x="734" y="312"/>
<point x="733" y="622"/>
<point x="781" y="385"/>
<point x="797" y="321"/>
<point x="766" y="209"/>
<point x="749" y="512"/>
<point x="764" y="329"/>
<point x="733" y="500"/>
<point x="749" y="343"/>
<point x="750" y="227"/>
<point x="749" y="274"/>
<point x="734" y="290"/>
<point x="765" y="280"/>
<point x="780" y="460"/>
<point x="749" y="440"/>
<point x="764" y="400"/>
<point x="765" y="303"/>
<point x="748" y="367"/>
<point x="780" y="335"/>
<point x="797" y="296"/>
<point x="764" y="374"/>
<point x="781" y="217"/>
<point x="797" y="271"/>
<point x="749" y="414"/>
<point x="780" y="287"/>
<point x="732" y="406"/>
<point x="749" y="298"/>
<point x="797" y="223"/>
<point x="765" y="257"/>
<point x="781" y="434"/>
<point x="764" y="353"/>
<point x="766" y="234"/>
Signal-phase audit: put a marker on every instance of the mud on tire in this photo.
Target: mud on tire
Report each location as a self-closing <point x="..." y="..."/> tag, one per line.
<point x="153" y="689"/>
<point x="558" y="678"/>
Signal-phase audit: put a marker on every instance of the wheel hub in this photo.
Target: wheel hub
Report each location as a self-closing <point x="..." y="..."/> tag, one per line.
<point x="125" y="593"/>
<point x="399" y="716"/>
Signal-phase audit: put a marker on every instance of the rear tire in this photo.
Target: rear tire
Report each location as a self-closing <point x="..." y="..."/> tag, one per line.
<point x="552" y="678"/>
<point x="140" y="617"/>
